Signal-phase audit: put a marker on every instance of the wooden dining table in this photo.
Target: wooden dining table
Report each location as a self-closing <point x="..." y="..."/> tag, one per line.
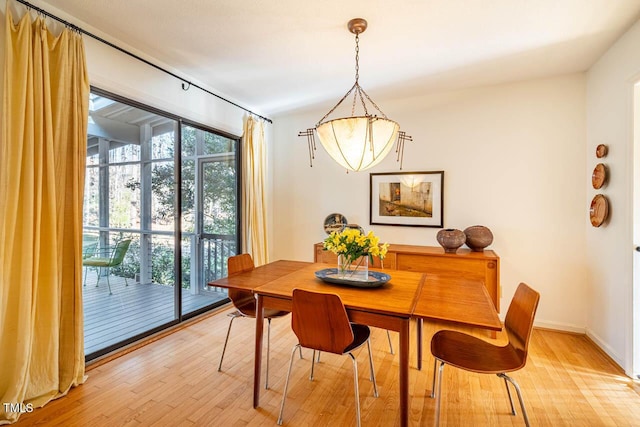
<point x="390" y="306"/>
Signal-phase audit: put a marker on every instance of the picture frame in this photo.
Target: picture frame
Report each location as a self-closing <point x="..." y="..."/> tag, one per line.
<point x="411" y="199"/>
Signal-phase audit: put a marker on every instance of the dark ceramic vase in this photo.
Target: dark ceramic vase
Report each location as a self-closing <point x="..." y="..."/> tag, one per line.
<point x="451" y="239"/>
<point x="478" y="237"/>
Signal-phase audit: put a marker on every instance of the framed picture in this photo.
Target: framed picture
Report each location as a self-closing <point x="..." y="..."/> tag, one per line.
<point x="413" y="199"/>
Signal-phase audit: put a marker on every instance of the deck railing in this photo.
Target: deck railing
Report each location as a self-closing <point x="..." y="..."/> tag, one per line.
<point x="216" y="249"/>
<point x="212" y="250"/>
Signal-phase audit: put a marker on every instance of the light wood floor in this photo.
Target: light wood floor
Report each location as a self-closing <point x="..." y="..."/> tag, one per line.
<point x="174" y="382"/>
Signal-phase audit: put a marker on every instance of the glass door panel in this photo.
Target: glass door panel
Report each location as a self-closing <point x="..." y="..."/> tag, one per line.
<point x="218" y="234"/>
<point x="128" y="199"/>
<point x="210" y="215"/>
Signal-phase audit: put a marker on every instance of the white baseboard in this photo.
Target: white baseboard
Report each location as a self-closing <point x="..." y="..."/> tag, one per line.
<point x="605" y="347"/>
<point x="559" y="326"/>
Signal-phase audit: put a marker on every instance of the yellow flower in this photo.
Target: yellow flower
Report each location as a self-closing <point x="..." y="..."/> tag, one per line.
<point x="352" y="244"/>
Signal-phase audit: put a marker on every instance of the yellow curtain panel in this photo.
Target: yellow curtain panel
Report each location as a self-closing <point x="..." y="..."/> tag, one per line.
<point x="42" y="166"/>
<point x="253" y="191"/>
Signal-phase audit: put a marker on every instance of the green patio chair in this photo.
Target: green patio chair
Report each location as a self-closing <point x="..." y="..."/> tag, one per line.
<point x="89" y="249"/>
<point x="110" y="257"/>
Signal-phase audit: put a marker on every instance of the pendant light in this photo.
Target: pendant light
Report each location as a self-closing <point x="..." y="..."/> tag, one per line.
<point x="357" y="142"/>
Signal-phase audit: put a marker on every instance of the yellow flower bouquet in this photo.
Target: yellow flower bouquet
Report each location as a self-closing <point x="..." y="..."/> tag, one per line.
<point x="354" y="250"/>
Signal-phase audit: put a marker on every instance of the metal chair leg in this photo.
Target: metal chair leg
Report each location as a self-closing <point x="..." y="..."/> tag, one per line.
<point x="517" y="387"/>
<point x="433" y="384"/>
<point x="234" y="316"/>
<point x="373" y="372"/>
<point x="266" y="381"/>
<point x="108" y="283"/>
<point x="355" y="387"/>
<point x="313" y="360"/>
<point x="506" y="384"/>
<point x="84" y="279"/>
<point x="286" y="384"/>
<point x="224" y="348"/>
<point x="390" y="345"/>
<point x="439" y="396"/>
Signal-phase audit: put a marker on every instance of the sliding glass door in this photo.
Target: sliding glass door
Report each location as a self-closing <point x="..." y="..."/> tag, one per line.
<point x="137" y="247"/>
<point x="210" y="213"/>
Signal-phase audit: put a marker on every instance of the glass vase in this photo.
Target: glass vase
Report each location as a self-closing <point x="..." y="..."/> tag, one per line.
<point x="353" y="269"/>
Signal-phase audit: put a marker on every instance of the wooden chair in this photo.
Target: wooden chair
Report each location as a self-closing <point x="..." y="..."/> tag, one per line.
<point x="321" y="323"/>
<point x="245" y="304"/>
<point x="473" y="354"/>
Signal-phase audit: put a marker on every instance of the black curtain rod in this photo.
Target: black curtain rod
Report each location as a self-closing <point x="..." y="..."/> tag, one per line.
<point x="186" y="84"/>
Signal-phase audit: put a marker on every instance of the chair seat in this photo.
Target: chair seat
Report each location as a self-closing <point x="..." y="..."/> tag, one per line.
<point x="473" y="354"/>
<point x="361" y="334"/>
<point x="96" y="262"/>
<point x="272" y="314"/>
<point x="248" y="309"/>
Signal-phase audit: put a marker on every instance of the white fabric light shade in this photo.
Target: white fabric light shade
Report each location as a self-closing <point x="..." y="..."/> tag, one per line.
<point x="347" y="140"/>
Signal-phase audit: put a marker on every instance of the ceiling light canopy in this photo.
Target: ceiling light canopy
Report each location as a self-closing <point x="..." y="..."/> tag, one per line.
<point x="357" y="142"/>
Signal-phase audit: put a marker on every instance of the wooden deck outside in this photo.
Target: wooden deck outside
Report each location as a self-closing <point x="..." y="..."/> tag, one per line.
<point x="131" y="310"/>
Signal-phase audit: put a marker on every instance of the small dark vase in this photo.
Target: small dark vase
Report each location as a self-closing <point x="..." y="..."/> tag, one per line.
<point x="478" y="237"/>
<point x="451" y="239"/>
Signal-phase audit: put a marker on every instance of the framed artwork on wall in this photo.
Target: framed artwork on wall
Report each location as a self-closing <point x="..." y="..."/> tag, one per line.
<point x="413" y="199"/>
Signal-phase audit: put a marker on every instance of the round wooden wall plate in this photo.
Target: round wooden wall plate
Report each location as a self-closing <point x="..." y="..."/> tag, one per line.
<point x="601" y="151"/>
<point x="599" y="210"/>
<point x="599" y="176"/>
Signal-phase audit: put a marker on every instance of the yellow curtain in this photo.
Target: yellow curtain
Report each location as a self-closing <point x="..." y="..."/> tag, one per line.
<point x="42" y="164"/>
<point x="254" y="164"/>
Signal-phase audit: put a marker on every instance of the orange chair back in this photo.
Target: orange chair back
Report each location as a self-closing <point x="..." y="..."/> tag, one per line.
<point x="320" y="321"/>
<point x="242" y="300"/>
<point x="519" y="320"/>
<point x="239" y="264"/>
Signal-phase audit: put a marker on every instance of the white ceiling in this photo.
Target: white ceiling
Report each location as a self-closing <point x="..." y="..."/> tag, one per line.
<point x="278" y="55"/>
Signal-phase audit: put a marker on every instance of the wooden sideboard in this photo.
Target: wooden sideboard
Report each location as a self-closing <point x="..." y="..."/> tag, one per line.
<point x="484" y="266"/>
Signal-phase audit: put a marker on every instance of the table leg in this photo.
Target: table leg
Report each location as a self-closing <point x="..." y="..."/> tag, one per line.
<point x="419" y="342"/>
<point x="404" y="373"/>
<point x="258" y="351"/>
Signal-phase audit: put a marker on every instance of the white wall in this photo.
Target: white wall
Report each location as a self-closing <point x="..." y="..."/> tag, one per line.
<point x="610" y="249"/>
<point x="113" y="71"/>
<point x="514" y="160"/>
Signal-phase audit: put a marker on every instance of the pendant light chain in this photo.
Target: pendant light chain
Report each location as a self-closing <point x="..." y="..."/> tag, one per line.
<point x="357" y="57"/>
<point x="359" y="91"/>
<point x="356" y="85"/>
